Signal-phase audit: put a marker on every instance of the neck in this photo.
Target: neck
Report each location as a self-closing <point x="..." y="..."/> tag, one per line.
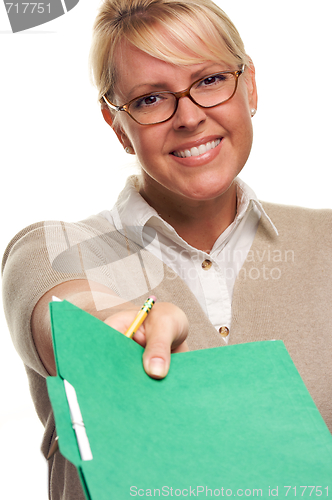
<point x="199" y="223"/>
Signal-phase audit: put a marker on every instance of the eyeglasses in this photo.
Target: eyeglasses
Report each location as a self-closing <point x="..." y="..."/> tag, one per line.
<point x="158" y="107"/>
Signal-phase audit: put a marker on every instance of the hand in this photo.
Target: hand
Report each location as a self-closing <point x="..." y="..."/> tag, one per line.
<point x="163" y="331"/>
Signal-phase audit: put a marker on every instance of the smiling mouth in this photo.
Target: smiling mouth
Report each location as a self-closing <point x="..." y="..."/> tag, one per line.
<point x="197" y="151"/>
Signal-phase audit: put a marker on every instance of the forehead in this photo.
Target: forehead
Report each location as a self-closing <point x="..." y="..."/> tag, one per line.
<point x="138" y="72"/>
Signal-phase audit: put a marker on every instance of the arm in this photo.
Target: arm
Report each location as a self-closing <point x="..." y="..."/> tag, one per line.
<point x="164" y="330"/>
<point x="54" y="258"/>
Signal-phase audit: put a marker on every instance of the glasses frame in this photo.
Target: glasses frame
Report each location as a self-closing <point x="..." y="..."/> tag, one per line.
<point x="177" y="95"/>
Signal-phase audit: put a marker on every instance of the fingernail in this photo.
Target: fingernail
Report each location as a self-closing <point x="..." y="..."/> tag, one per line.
<point x="157" y="367"/>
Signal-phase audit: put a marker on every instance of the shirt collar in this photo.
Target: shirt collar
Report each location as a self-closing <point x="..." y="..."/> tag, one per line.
<point x="131" y="213"/>
<point x="245" y="199"/>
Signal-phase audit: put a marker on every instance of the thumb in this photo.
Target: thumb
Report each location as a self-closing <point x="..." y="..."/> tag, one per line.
<point x="166" y="329"/>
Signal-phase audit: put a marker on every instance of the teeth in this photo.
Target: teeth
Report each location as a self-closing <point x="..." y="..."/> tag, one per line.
<point x="203" y="148"/>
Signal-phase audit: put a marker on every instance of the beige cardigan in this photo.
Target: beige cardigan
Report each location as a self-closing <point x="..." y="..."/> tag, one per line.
<point x="282" y="292"/>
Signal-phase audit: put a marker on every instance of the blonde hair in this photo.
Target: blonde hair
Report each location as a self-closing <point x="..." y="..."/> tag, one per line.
<point x="181" y="32"/>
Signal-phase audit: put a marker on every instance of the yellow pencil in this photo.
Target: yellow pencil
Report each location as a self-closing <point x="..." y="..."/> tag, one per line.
<point x="147" y="306"/>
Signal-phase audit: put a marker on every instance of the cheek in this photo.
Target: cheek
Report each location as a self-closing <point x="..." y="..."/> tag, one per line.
<point x="244" y="129"/>
<point x="144" y="148"/>
<point x="147" y="142"/>
<point x="241" y="122"/>
<point x="237" y="124"/>
<point x="243" y="138"/>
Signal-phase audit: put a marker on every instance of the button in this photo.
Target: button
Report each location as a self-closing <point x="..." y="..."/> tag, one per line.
<point x="206" y="265"/>
<point x="224" y="331"/>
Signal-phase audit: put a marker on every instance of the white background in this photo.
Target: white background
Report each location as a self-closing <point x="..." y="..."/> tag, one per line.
<point x="59" y="160"/>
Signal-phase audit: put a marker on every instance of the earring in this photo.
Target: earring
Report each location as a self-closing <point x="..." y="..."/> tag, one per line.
<point x="129" y="150"/>
<point x="253" y="112"/>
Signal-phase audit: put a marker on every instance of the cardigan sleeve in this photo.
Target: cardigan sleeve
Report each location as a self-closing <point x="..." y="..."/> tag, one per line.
<point x="29" y="270"/>
<point x="47" y="254"/>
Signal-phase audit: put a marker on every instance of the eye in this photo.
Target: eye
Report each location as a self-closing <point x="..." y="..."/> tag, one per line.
<point x="213" y="80"/>
<point x="148" y="101"/>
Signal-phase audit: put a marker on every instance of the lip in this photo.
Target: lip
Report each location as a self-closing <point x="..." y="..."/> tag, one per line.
<point x="197" y="161"/>
<point x="195" y="144"/>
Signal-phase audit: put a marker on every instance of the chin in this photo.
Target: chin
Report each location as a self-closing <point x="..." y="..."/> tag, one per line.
<point x="208" y="189"/>
<point x="204" y="193"/>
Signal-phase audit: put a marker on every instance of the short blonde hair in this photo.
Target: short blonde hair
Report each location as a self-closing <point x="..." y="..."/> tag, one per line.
<point x="181" y="32"/>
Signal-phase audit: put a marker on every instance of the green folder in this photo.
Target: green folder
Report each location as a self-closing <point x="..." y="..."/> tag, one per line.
<point x="229" y="421"/>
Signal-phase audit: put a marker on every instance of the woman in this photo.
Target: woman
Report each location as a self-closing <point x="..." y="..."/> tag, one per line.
<point x="180" y="94"/>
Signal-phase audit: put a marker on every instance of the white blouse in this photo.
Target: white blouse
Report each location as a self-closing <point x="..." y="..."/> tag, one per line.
<point x="210" y="276"/>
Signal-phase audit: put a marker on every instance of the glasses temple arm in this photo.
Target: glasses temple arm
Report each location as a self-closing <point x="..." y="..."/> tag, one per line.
<point x="111" y="105"/>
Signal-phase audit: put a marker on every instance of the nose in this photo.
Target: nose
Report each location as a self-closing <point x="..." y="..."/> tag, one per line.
<point x="188" y="115"/>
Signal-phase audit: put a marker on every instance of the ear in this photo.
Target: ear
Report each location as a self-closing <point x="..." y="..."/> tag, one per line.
<point x="251" y="85"/>
<point x="109" y="119"/>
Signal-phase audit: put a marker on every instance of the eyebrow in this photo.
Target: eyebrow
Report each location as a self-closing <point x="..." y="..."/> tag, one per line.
<point x="155" y="86"/>
<point x="163" y="85"/>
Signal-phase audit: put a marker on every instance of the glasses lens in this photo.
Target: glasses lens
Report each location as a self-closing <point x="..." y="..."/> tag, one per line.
<point x="153" y="108"/>
<point x="214" y="89"/>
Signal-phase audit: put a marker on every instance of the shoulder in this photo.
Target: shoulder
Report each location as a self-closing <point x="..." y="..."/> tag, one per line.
<point x="299" y="220"/>
<point x="293" y="211"/>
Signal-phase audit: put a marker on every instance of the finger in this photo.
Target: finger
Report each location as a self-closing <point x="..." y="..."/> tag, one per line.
<point x="181" y="348"/>
<point x="121" y="322"/>
<point x="166" y="329"/>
